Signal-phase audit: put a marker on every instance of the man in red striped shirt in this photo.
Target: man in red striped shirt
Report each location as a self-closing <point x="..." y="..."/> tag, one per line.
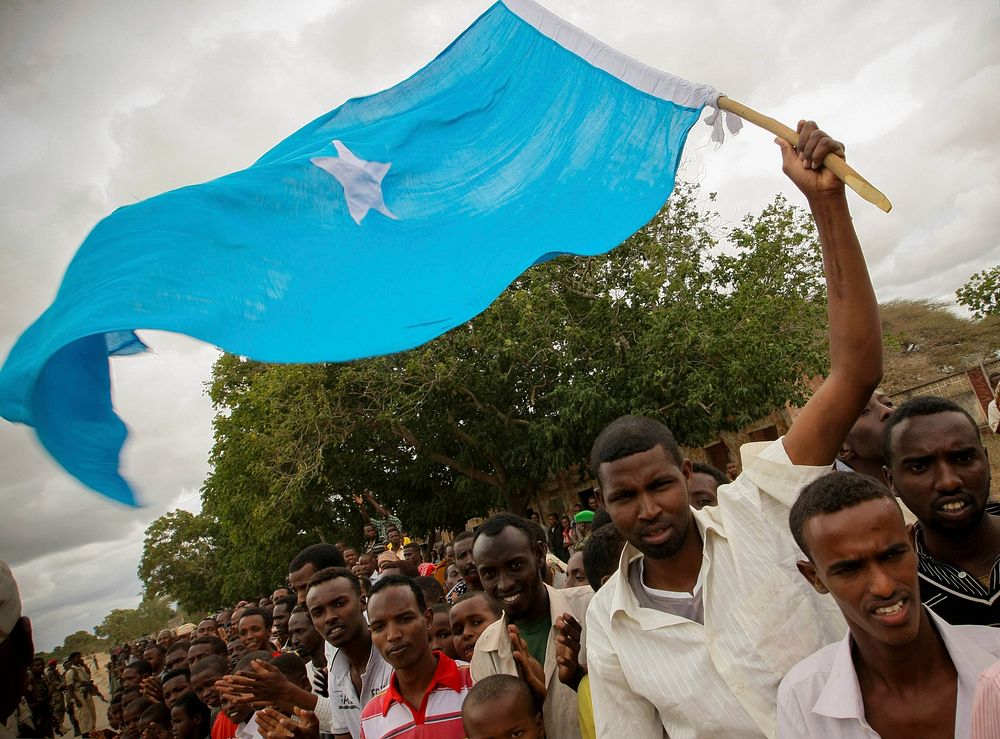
<point x="427" y="688"/>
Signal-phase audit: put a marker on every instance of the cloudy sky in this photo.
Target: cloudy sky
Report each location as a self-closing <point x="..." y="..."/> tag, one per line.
<point x="102" y="104"/>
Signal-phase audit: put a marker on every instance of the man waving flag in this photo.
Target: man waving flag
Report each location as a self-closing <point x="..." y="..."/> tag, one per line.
<point x="373" y="229"/>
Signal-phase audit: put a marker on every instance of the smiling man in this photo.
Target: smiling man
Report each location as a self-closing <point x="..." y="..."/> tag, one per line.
<point x="938" y="467"/>
<point x="705" y="613"/>
<point x="901" y="671"/>
<point x="509" y="558"/>
<point x="357" y="671"/>
<point x="427" y="688"/>
<point x="255" y="630"/>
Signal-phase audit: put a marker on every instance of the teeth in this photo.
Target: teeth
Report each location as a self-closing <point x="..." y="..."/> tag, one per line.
<point x="956" y="506"/>
<point x="889" y="610"/>
<point x="510" y="598"/>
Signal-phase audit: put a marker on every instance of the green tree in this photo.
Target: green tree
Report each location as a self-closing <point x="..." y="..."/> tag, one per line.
<point x="123" y="624"/>
<point x="981" y="294"/>
<point x="669" y="325"/>
<point x="179" y="561"/>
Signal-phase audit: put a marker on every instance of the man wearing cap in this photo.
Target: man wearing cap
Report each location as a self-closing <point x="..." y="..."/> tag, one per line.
<point x="16" y="651"/>
<point x="584" y="522"/>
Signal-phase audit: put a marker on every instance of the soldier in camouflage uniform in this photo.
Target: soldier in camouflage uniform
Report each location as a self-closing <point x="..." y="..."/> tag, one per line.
<point x="57" y="699"/>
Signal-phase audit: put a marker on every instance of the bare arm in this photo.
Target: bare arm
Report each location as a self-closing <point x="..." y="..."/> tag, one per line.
<point x="855" y="326"/>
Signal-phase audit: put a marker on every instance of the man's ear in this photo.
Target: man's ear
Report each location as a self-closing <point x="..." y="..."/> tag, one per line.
<point x="687" y="469"/>
<point x="846" y="452"/>
<point x="887" y="475"/>
<point x="600" y="497"/>
<point x="429" y="618"/>
<point x="808" y="571"/>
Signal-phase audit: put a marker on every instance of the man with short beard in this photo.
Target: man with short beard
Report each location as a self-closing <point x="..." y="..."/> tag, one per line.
<point x="154" y="654"/>
<point x="938" y="467"/>
<point x="510" y="556"/>
<point x="466" y="563"/>
<point x="861" y="451"/>
<point x="705" y="608"/>
<point x="281" y="613"/>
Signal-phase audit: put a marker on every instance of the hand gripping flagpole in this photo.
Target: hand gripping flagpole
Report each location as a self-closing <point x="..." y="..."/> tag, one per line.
<point x="833" y="162"/>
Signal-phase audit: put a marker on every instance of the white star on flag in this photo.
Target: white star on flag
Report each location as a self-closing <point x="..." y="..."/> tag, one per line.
<point x="362" y="181"/>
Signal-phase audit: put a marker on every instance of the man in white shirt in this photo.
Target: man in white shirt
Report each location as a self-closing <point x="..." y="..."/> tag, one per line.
<point x="692" y="634"/>
<point x="992" y="413"/>
<point x="901" y="670"/>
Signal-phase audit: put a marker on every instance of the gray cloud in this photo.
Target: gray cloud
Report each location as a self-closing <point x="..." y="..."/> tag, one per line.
<point x="104" y="103"/>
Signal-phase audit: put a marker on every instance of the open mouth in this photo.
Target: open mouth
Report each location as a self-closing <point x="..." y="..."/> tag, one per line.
<point x="894" y="613"/>
<point x="510" y="597"/>
<point x="657" y="534"/>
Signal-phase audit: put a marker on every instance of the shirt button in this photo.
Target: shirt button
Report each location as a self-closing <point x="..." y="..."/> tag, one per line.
<point x="961" y="574"/>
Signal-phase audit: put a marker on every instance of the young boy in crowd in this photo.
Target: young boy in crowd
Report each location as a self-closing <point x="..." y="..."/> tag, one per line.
<point x="469" y="618"/>
<point x="502" y="706"/>
<point x="440" y="630"/>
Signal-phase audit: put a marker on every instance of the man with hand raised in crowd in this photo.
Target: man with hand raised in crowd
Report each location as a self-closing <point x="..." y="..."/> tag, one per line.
<point x="706" y="608"/>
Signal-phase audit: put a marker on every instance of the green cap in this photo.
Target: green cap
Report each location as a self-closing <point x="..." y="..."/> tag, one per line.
<point x="584" y="517"/>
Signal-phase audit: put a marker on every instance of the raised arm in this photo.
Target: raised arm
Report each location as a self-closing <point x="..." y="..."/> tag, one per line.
<point x="855" y="328"/>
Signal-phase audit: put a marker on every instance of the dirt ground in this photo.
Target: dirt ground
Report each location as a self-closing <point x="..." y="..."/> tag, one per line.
<point x="100" y="678"/>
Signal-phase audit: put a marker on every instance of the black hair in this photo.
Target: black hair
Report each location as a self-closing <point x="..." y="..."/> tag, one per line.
<point x="291" y="666"/>
<point x="176" y="673"/>
<point x="141" y="666"/>
<point x="630" y="435"/>
<point x="441" y="607"/>
<point x="320" y="556"/>
<point x="494" y="526"/>
<point x="246" y="659"/>
<point x="212" y="662"/>
<point x="158" y="713"/>
<point x="462" y="536"/>
<point x="332" y="573"/>
<point x="721" y="477"/>
<point x="258" y="611"/>
<point x="218" y="646"/>
<point x="601" y="553"/>
<point x="832" y="493"/>
<point x="539" y="530"/>
<point x="142" y="703"/>
<point x="191" y="705"/>
<point x="209" y="618"/>
<point x="156" y="646"/>
<point x="487" y="690"/>
<point x="601" y="518"/>
<point x="181" y="645"/>
<point x="286" y="600"/>
<point x="399" y="581"/>
<point x="926" y="405"/>
<point x="431" y="588"/>
<point x="495" y="606"/>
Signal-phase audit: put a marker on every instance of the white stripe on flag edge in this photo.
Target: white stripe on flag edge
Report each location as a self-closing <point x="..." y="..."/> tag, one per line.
<point x="631" y="71"/>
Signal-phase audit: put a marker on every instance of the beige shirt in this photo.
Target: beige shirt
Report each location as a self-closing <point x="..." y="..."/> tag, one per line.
<point x="655" y="673"/>
<point x="493" y="657"/>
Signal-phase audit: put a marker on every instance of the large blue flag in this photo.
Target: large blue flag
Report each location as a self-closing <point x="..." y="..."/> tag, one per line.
<point x="373" y="229"/>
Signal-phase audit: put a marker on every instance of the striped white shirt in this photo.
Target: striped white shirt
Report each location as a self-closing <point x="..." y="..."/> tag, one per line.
<point x="985" y="722"/>
<point x="654" y="673"/>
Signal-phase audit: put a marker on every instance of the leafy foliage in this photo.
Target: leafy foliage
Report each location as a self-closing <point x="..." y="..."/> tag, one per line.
<point x="981" y="294"/>
<point x="179" y="560"/>
<point x="668" y="325"/>
<point x="123" y="624"/>
<point x="79" y="641"/>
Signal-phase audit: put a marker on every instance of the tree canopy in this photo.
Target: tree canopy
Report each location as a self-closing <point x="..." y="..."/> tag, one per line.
<point x="669" y="325"/>
<point x="123" y="624"/>
<point x="981" y="294"/>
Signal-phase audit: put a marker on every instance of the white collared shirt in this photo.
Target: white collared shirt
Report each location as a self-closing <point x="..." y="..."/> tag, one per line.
<point x="655" y="673"/>
<point x="821" y="696"/>
<point x="345" y="703"/>
<point x="493" y="656"/>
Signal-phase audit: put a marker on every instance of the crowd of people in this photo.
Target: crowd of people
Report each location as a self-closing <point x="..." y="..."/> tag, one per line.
<point x="845" y="584"/>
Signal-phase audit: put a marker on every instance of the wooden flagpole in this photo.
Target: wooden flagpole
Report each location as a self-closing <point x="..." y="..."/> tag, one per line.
<point x="833" y="162"/>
